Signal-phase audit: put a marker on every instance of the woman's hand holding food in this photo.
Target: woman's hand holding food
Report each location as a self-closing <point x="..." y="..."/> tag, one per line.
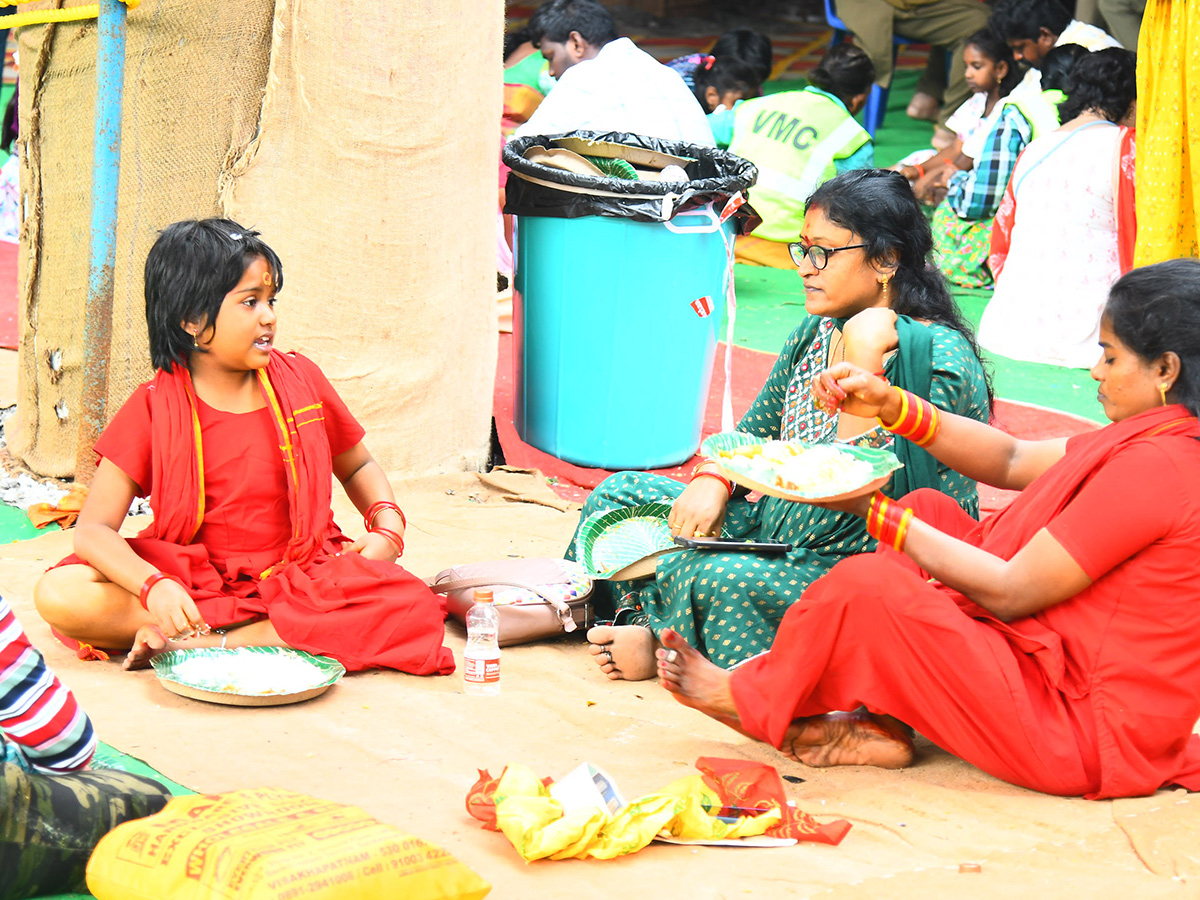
<point x="848" y="388"/>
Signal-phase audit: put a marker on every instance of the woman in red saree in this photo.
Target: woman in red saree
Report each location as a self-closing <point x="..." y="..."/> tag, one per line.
<point x="1055" y="645"/>
<point x="235" y="443"/>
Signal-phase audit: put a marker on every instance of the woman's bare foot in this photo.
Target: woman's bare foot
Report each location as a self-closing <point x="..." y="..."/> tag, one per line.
<point x="849" y="739"/>
<point x="623" y="652"/>
<point x="694" y="680"/>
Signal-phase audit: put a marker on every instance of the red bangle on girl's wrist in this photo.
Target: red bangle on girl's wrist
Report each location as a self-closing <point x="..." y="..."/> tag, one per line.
<point x="379" y="506"/>
<point x="391" y="536"/>
<point x="148" y="586"/>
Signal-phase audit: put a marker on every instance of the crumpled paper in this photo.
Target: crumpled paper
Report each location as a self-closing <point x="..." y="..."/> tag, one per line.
<point x="519" y="804"/>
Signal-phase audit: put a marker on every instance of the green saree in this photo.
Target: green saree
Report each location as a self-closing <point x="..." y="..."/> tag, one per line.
<point x="729" y="605"/>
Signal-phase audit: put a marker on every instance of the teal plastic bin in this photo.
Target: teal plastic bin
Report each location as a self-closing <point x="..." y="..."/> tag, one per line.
<point x="615" y="324"/>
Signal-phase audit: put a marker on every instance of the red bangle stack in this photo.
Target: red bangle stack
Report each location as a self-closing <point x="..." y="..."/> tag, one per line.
<point x="888" y="521"/>
<point x="369" y="523"/>
<point x="696" y="473"/>
<point x="379" y="506"/>
<point x="919" y="421"/>
<point x="148" y="585"/>
<point x="391" y="536"/>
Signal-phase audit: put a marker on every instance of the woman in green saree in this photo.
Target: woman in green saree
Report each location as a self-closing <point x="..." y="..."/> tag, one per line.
<point x="872" y="299"/>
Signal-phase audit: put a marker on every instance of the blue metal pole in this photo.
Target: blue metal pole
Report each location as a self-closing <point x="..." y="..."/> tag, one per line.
<point x="106" y="171"/>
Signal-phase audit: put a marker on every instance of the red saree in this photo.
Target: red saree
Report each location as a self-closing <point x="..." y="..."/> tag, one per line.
<point x="215" y="480"/>
<point x="1095" y="696"/>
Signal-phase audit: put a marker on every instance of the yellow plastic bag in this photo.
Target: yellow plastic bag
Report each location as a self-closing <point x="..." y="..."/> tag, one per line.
<point x="271" y="844"/>
<point x="539" y="828"/>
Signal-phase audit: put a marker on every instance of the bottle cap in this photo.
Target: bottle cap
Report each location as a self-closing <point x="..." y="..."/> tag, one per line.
<point x="483" y="595"/>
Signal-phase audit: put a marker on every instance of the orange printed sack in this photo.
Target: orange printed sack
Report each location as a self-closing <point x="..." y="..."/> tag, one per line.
<point x="272" y="844"/>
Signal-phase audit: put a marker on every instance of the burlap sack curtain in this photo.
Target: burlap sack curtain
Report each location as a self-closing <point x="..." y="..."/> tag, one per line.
<point x="359" y="137"/>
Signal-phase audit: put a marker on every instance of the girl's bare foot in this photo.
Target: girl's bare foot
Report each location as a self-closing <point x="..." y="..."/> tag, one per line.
<point x="694" y="680"/>
<point x="849" y="739"/>
<point x="623" y="652"/>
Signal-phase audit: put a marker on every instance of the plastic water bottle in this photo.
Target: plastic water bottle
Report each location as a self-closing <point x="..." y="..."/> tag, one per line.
<point x="482" y="656"/>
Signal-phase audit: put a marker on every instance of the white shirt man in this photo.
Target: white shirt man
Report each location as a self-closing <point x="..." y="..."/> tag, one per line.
<point x="616" y="88"/>
<point x="1076" y="32"/>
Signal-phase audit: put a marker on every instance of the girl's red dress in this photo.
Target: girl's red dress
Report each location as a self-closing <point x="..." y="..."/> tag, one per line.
<point x="263" y="543"/>
<point x="1096" y="696"/>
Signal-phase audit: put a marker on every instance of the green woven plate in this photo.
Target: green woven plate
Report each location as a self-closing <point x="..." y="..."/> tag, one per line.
<point x="614" y="168"/>
<point x="625" y="543"/>
<point x="247" y="676"/>
<point x="728" y="451"/>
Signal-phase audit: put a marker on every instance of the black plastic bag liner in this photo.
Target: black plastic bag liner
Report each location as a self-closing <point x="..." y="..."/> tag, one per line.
<point x="534" y="189"/>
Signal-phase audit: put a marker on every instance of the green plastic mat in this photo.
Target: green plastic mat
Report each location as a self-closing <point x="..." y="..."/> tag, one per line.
<point x="15" y="525"/>
<point x="110" y="758"/>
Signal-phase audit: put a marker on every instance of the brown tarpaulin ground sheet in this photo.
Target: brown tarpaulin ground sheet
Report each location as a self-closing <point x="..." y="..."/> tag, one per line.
<point x="359" y="137"/>
<point x="407" y="750"/>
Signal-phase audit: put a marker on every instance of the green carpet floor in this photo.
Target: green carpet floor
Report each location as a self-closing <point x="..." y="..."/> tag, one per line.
<point x="15" y="525"/>
<point x="771" y="301"/>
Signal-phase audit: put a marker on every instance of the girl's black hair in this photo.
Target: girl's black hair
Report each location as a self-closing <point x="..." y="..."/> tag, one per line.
<point x="189" y="270"/>
<point x="1156" y="309"/>
<point x="878" y="205"/>
<point x="751" y="47"/>
<point x="988" y="43"/>
<point x="1104" y="80"/>
<point x="1023" y="20"/>
<point x="514" y="39"/>
<point x="556" y="19"/>
<point x="1057" y="65"/>
<point x="844" y="71"/>
<point x="725" y="73"/>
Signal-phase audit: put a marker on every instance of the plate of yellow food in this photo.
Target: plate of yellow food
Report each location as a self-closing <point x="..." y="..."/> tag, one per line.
<point x="795" y="470"/>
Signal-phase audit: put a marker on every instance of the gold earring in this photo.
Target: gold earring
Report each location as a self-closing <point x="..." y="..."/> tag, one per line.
<point x="195" y="343"/>
<point x="886" y="288"/>
<point x="1162" y="390"/>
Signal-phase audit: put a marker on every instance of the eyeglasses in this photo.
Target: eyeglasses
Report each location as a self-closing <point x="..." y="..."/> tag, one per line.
<point x="818" y="256"/>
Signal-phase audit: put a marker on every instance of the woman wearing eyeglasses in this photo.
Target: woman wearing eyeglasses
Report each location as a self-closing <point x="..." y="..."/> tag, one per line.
<point x="873" y="301"/>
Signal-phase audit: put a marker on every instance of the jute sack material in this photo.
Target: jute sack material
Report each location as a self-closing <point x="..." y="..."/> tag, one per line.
<point x="360" y="139"/>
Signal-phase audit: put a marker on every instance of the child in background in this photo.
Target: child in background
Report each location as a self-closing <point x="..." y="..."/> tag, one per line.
<point x="236" y="444"/>
<point x="751" y="47"/>
<point x="720" y="86"/>
<point x="798" y="140"/>
<point x="962" y="222"/>
<point x="992" y="74"/>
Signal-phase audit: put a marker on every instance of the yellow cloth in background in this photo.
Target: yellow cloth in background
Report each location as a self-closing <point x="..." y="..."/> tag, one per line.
<point x="538" y="828"/>
<point x="755" y="251"/>
<point x="1168" y="171"/>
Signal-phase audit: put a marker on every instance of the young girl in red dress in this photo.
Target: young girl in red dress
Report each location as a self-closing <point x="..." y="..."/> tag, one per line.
<point x="234" y="442"/>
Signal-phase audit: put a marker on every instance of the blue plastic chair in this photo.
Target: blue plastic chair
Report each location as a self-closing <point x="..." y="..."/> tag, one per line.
<point x="876" y="107"/>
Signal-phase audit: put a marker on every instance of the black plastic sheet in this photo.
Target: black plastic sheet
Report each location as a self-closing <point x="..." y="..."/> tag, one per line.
<point x="713" y="177"/>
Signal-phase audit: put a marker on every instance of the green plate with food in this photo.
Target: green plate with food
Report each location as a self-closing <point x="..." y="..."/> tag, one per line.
<point x="246" y="676"/>
<point x="796" y="470"/>
<point x="625" y="543"/>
